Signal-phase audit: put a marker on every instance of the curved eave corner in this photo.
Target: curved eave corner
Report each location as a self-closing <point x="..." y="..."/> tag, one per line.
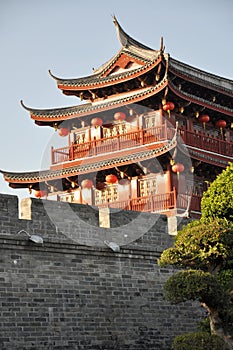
<point x="128" y="46"/>
<point x="66" y="113"/>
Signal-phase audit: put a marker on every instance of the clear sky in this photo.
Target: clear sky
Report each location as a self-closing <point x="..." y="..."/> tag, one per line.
<point x="70" y="37"/>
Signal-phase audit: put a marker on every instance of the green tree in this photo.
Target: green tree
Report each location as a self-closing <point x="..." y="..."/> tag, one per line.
<point x="217" y="201"/>
<point x="204" y="251"/>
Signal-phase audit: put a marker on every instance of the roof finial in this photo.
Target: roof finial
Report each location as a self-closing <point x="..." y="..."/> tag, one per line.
<point x="114" y="19"/>
<point x="24" y="106"/>
<point x="52" y="75"/>
<point x="125" y="39"/>
<point x="162" y="47"/>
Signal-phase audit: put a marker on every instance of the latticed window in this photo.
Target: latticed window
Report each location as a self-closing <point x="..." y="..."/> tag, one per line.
<point x="147" y="186"/>
<point x="66" y="198"/>
<point x="108" y="194"/>
<point x="117" y="129"/>
<point x="152" y="120"/>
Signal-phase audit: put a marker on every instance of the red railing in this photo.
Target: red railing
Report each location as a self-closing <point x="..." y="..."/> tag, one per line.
<point x="207" y="142"/>
<point x="158" y="203"/>
<point x="113" y="143"/>
<point x="141" y="137"/>
<point x="153" y="203"/>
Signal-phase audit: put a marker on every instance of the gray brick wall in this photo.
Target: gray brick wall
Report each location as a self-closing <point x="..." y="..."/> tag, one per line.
<point x="71" y="293"/>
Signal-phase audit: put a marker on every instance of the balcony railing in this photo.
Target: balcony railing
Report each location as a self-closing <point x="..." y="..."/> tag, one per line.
<point x="207" y="142"/>
<point x="137" y="138"/>
<point x="157" y="203"/>
<point x="113" y="143"/>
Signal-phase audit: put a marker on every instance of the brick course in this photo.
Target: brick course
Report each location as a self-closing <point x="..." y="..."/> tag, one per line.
<point x="67" y="295"/>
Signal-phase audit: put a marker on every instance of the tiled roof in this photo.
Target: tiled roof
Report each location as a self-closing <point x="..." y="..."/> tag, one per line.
<point x="95" y="80"/>
<point x="201" y="77"/>
<point x="95" y="107"/>
<point x="130" y="47"/>
<point x="200" y="101"/>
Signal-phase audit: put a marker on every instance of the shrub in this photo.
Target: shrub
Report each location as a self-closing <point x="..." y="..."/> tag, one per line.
<point x="198" y="341"/>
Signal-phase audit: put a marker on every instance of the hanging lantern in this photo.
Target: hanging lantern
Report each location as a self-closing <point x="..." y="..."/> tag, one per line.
<point x="39" y="194"/>
<point x="178" y="168"/>
<point x="204" y="118"/>
<point x="63" y="132"/>
<point x="221" y="124"/>
<point x="181" y="110"/>
<point x="87" y="184"/>
<point x="111" y="179"/>
<point x="168" y="107"/>
<point x="96" y="122"/>
<point x="119" y="116"/>
<point x="164" y="101"/>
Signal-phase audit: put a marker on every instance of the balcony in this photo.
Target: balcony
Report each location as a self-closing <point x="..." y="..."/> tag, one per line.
<point x="154" y="203"/>
<point x="146" y="136"/>
<point x="206" y="142"/>
<point x="157" y="134"/>
<point x="163" y="203"/>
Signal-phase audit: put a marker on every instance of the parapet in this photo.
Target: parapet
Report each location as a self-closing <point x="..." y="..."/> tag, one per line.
<point x="85" y="225"/>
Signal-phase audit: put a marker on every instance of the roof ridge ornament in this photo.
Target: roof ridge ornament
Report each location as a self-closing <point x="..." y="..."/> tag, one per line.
<point x="120" y="32"/>
<point x="127" y="40"/>
<point x="52" y="75"/>
<point x="162" y="47"/>
<point x="24" y="106"/>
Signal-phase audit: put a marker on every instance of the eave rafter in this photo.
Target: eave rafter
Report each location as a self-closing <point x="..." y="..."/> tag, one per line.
<point x="200" y="101"/>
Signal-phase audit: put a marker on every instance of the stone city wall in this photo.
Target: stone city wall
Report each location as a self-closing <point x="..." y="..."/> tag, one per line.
<point x="73" y="291"/>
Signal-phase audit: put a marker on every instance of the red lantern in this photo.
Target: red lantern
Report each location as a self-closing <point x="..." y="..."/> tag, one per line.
<point x="63" y="132"/>
<point x="221" y="124"/>
<point x="204" y="118"/>
<point x="119" y="116"/>
<point x="96" y="122"/>
<point x="168" y="106"/>
<point x="178" y="168"/>
<point x="111" y="179"/>
<point x="87" y="184"/>
<point x="39" y="194"/>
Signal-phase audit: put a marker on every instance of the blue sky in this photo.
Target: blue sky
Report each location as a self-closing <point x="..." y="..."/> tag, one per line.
<point x="70" y="37"/>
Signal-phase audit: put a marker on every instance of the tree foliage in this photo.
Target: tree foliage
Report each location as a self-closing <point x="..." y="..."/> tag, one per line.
<point x="198" y="341"/>
<point x="204" y="249"/>
<point x="217" y="201"/>
<point x="195" y="285"/>
<point x="205" y="245"/>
